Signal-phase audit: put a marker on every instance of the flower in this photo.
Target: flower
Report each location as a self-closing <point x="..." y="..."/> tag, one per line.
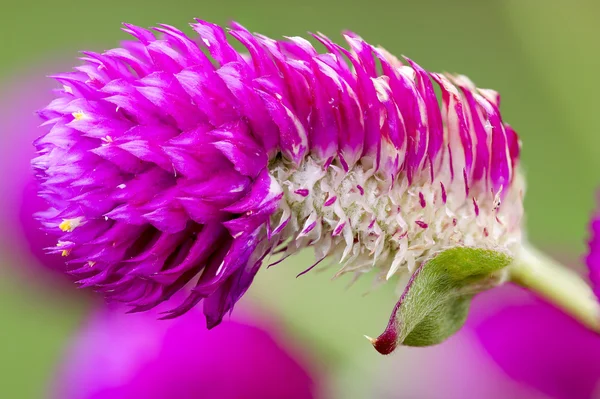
<point x="21" y="235"/>
<point x="593" y="257"/>
<point x="514" y="345"/>
<point x="136" y="356"/>
<point x="540" y="346"/>
<point x="166" y="167"/>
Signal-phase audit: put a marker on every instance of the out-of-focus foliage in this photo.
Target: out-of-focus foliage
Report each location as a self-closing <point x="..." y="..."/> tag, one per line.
<point x="556" y="44"/>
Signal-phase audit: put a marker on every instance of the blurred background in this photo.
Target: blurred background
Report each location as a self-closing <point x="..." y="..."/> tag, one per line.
<point x="542" y="56"/>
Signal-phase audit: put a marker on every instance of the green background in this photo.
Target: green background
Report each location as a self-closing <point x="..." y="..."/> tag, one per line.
<point x="542" y="56"/>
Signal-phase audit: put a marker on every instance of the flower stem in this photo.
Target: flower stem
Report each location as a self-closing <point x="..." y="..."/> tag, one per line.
<point x="558" y="284"/>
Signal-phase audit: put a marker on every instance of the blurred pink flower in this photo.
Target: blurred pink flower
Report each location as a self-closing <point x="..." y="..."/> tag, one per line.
<point x="593" y="257"/>
<point x="513" y="346"/>
<point x="119" y="356"/>
<point x="541" y="347"/>
<point x="20" y="234"/>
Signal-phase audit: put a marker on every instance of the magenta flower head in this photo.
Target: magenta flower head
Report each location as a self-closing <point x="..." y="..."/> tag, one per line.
<point x="175" y="162"/>
<point x="117" y="356"/>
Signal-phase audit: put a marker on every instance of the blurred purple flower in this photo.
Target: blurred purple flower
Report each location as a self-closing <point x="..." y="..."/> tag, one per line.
<point x="20" y="233"/>
<point x="119" y="356"/>
<point x="514" y="345"/>
<point x="540" y="346"/>
<point x="593" y="257"/>
<point x="165" y="167"/>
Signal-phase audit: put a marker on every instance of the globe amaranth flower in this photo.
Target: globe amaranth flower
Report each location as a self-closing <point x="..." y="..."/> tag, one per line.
<point x="173" y="162"/>
<point x="136" y="356"/>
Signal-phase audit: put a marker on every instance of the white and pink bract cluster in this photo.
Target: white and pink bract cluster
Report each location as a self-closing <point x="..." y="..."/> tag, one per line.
<point x="436" y="178"/>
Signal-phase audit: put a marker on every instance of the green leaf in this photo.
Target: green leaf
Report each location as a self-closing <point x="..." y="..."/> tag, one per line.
<point x="436" y="301"/>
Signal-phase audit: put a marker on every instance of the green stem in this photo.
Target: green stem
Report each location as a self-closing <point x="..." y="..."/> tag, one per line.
<point x="558" y="284"/>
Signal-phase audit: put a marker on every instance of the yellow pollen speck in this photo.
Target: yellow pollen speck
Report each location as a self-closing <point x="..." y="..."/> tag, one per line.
<point x="65" y="252"/>
<point x="68" y="225"/>
<point x="107" y="139"/>
<point x="65" y="225"/>
<point x="79" y="115"/>
<point x="91" y="263"/>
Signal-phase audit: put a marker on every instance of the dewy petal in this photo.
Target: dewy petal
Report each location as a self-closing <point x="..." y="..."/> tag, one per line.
<point x="500" y="165"/>
<point x="434" y="119"/>
<point x="454" y="117"/>
<point x="179" y="164"/>
<point x="478" y="133"/>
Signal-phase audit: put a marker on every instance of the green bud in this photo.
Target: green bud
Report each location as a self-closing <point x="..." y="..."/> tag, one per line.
<point x="435" y="303"/>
